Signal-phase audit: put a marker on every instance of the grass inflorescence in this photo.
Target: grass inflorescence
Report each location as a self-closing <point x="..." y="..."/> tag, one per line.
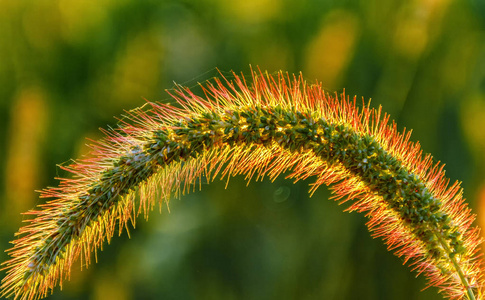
<point x="274" y="125"/>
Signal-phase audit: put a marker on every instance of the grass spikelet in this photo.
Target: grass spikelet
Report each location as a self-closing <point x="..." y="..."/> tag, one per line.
<point x="273" y="125"/>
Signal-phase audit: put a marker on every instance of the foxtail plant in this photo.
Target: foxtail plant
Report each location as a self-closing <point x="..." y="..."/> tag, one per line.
<point x="266" y="128"/>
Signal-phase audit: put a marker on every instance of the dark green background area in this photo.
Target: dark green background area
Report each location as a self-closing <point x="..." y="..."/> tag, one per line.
<point x="67" y="67"/>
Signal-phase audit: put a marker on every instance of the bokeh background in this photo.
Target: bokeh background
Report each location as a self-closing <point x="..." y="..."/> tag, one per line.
<point x="68" y="66"/>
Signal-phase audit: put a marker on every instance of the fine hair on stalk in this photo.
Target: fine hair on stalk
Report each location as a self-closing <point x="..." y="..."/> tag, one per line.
<point x="276" y="124"/>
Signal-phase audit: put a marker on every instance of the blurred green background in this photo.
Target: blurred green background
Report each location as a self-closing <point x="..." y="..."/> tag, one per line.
<point x="68" y="66"/>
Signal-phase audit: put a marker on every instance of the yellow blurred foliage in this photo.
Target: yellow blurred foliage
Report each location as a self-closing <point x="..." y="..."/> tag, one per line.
<point x="330" y="52"/>
<point x="472" y="112"/>
<point x="251" y="11"/>
<point x="109" y="287"/>
<point x="41" y="26"/>
<point x="419" y="21"/>
<point x="27" y="132"/>
<point x="136" y="71"/>
<point x="273" y="56"/>
<point x="80" y="18"/>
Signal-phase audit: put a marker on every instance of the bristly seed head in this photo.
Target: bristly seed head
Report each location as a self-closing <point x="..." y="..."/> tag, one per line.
<point x="265" y="129"/>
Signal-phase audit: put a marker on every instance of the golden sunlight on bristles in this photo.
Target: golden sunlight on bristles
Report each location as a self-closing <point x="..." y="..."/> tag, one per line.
<point x="148" y="141"/>
<point x="382" y="221"/>
<point x="366" y="121"/>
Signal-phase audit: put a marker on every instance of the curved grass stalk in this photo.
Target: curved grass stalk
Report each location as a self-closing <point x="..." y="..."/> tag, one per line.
<point x="274" y="125"/>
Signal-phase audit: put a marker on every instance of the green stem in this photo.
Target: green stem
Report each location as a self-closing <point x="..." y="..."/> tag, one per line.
<point x="463" y="279"/>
